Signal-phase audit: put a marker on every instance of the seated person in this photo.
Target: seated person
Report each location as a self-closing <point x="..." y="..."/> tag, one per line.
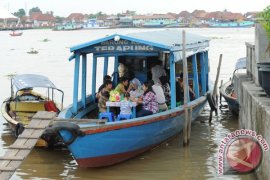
<point x="134" y="82"/>
<point x="103" y="98"/>
<point x="191" y="93"/>
<point x="160" y="95"/>
<point x="107" y="87"/>
<point x="121" y="87"/>
<point x="148" y="100"/>
<point x="105" y="78"/>
<point x="166" y="88"/>
<point x="125" y="104"/>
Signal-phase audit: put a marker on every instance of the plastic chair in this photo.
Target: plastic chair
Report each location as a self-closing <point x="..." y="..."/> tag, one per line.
<point x="124" y="116"/>
<point x="107" y="115"/>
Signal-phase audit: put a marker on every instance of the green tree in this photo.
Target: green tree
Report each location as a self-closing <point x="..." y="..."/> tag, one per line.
<point x="59" y="19"/>
<point x="20" y="13"/>
<point x="34" y="9"/>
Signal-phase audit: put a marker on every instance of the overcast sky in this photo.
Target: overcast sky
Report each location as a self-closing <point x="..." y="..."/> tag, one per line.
<point x="65" y="7"/>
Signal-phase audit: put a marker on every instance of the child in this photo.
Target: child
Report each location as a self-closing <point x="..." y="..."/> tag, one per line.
<point x="125" y="105"/>
<point x="104" y="97"/>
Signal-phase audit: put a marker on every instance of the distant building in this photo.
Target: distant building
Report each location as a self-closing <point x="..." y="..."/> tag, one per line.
<point x="76" y="18"/>
<point x="155" y="19"/>
<point x="38" y="19"/>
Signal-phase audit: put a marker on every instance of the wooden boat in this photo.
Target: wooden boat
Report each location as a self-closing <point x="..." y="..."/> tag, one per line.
<point x="96" y="145"/>
<point x="242" y="24"/>
<point x="227" y="89"/>
<point x="30" y="93"/>
<point x="14" y="33"/>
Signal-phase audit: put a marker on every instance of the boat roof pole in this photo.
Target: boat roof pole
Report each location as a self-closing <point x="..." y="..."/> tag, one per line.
<point x="105" y="67"/>
<point x="94" y="76"/>
<point x="172" y="81"/>
<point x="206" y="68"/>
<point x="84" y="74"/>
<point x="115" y="72"/>
<point x="203" y="74"/>
<point x="76" y="82"/>
<point x="195" y="76"/>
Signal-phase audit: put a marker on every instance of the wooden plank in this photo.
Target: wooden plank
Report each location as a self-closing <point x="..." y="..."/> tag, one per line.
<point x="4" y="168"/>
<point x="28" y="137"/>
<point x="21" y="148"/>
<point x="16" y="158"/>
<point x="81" y="120"/>
<point x="44" y="115"/>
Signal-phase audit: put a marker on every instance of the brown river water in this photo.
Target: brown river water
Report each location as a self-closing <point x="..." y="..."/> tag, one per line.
<point x="169" y="161"/>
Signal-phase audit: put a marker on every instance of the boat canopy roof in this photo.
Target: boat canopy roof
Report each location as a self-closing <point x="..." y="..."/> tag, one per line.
<point x="144" y="42"/>
<point x="240" y="63"/>
<point x="27" y="81"/>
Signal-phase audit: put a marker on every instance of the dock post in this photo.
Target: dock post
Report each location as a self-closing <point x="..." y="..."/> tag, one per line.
<point x="220" y="97"/>
<point x="215" y="87"/>
<point x="186" y="89"/>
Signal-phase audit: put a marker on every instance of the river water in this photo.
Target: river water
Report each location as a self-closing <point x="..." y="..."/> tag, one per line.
<point x="169" y="161"/>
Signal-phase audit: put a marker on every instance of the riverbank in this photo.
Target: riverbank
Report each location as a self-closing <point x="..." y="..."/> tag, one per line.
<point x="254" y="103"/>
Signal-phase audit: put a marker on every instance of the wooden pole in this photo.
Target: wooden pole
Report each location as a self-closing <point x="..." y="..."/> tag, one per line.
<point x="186" y="88"/>
<point x="220" y="97"/>
<point x="216" y="81"/>
<point x="189" y="124"/>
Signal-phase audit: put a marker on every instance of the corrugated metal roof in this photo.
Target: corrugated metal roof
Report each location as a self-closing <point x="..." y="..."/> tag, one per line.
<point x="169" y="40"/>
<point x="26" y="81"/>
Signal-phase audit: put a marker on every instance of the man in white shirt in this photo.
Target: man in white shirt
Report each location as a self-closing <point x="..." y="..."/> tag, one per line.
<point x="157" y="71"/>
<point x="157" y="88"/>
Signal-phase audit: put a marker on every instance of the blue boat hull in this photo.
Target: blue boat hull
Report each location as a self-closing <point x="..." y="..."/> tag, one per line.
<point x="118" y="141"/>
<point x="232" y="102"/>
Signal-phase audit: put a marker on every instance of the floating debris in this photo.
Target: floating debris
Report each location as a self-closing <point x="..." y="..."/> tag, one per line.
<point x="45" y="40"/>
<point x="32" y="51"/>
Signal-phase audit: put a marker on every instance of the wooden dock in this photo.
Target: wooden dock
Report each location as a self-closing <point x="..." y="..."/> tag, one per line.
<point x="24" y="144"/>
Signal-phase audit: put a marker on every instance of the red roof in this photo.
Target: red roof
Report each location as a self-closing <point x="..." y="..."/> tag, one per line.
<point x="76" y="17"/>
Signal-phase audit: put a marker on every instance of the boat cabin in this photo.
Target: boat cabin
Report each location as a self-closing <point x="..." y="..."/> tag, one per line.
<point x="137" y="51"/>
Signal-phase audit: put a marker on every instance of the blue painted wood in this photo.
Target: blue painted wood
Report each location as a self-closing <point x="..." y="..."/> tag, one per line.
<point x="76" y="83"/>
<point x="203" y="74"/>
<point x="206" y="69"/>
<point x="126" y="54"/>
<point x="84" y="75"/>
<point x="115" y="72"/>
<point x="91" y="43"/>
<point x="195" y="76"/>
<point x="172" y="81"/>
<point x="105" y="67"/>
<point x="94" y="76"/>
<point x="112" y="142"/>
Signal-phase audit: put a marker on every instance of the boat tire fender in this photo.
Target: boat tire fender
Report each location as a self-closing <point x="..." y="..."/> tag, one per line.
<point x="211" y="101"/>
<point x="72" y="128"/>
<point x="19" y="128"/>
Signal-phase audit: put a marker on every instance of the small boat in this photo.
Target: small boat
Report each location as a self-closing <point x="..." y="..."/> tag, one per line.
<point x="30" y="93"/>
<point x="97" y="145"/>
<point x="227" y="89"/>
<point x="242" y="24"/>
<point x="14" y="33"/>
<point x="68" y="27"/>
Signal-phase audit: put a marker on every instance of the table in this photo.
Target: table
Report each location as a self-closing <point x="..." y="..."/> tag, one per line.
<point x="117" y="104"/>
